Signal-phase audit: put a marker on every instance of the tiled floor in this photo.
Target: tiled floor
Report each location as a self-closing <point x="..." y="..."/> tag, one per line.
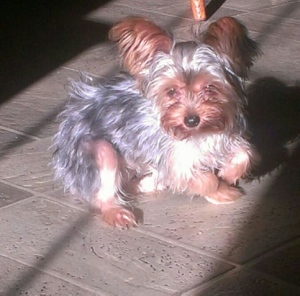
<point x="50" y="245"/>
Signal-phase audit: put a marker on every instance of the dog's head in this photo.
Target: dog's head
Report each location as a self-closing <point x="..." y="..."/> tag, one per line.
<point x="196" y="85"/>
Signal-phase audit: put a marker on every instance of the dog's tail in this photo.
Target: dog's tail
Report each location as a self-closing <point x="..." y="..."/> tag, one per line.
<point x="73" y="161"/>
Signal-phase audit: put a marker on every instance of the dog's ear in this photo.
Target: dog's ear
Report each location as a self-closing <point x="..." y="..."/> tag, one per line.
<point x="138" y="41"/>
<point x="231" y="41"/>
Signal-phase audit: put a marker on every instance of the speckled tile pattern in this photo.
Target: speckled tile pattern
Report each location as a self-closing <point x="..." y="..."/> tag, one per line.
<point x="10" y="194"/>
<point x="51" y="245"/>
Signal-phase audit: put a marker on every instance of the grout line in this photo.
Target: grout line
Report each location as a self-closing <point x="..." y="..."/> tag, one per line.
<point x="19" y="133"/>
<point x="70" y="69"/>
<point x="260" y="34"/>
<point x="206" y="285"/>
<point x="26" y="199"/>
<point x="96" y="19"/>
<point x="272" y="278"/>
<point x="56" y="275"/>
<point x="142" y="230"/>
<point x="283" y="246"/>
<point x="187" y="8"/>
<point x="200" y="287"/>
<point x="63" y="203"/>
<point x="181" y="17"/>
<point x="266" y="14"/>
<point x="36" y="194"/>
<point x="262" y="12"/>
<point x="80" y="72"/>
<point x="19" y="187"/>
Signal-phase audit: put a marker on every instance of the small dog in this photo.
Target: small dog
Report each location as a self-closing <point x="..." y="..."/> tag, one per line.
<point x="174" y="121"/>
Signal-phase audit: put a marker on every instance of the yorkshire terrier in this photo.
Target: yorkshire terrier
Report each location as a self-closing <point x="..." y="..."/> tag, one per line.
<point x="174" y="121"/>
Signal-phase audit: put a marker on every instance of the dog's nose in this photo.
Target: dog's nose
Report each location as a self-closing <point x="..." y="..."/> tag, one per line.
<point x="191" y="120"/>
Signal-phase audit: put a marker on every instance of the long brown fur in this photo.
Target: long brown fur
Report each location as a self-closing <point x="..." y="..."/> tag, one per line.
<point x="138" y="41"/>
<point x="230" y="39"/>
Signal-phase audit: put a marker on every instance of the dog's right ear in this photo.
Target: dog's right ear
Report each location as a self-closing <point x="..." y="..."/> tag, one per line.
<point x="138" y="42"/>
<point x="230" y="39"/>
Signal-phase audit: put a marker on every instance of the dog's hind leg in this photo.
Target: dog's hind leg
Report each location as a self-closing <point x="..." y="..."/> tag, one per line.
<point x="106" y="199"/>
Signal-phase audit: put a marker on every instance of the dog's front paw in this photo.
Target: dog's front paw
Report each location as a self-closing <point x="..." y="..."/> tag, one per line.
<point x="236" y="168"/>
<point x="119" y="217"/>
<point x="225" y="194"/>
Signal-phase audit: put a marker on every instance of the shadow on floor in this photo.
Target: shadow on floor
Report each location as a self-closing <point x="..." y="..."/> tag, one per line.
<point x="274" y="120"/>
<point x="40" y="37"/>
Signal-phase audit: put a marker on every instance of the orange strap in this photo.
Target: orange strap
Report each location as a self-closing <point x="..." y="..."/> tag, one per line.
<point x="198" y="8"/>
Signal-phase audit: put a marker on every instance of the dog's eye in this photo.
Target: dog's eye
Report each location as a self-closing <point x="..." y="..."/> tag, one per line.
<point x="208" y="92"/>
<point x="209" y="87"/>
<point x="171" y="92"/>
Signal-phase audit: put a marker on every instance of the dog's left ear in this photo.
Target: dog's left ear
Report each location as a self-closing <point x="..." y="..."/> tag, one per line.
<point x="231" y="41"/>
<point x="138" y="42"/>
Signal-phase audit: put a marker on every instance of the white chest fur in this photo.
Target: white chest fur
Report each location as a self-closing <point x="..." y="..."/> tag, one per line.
<point x="189" y="157"/>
